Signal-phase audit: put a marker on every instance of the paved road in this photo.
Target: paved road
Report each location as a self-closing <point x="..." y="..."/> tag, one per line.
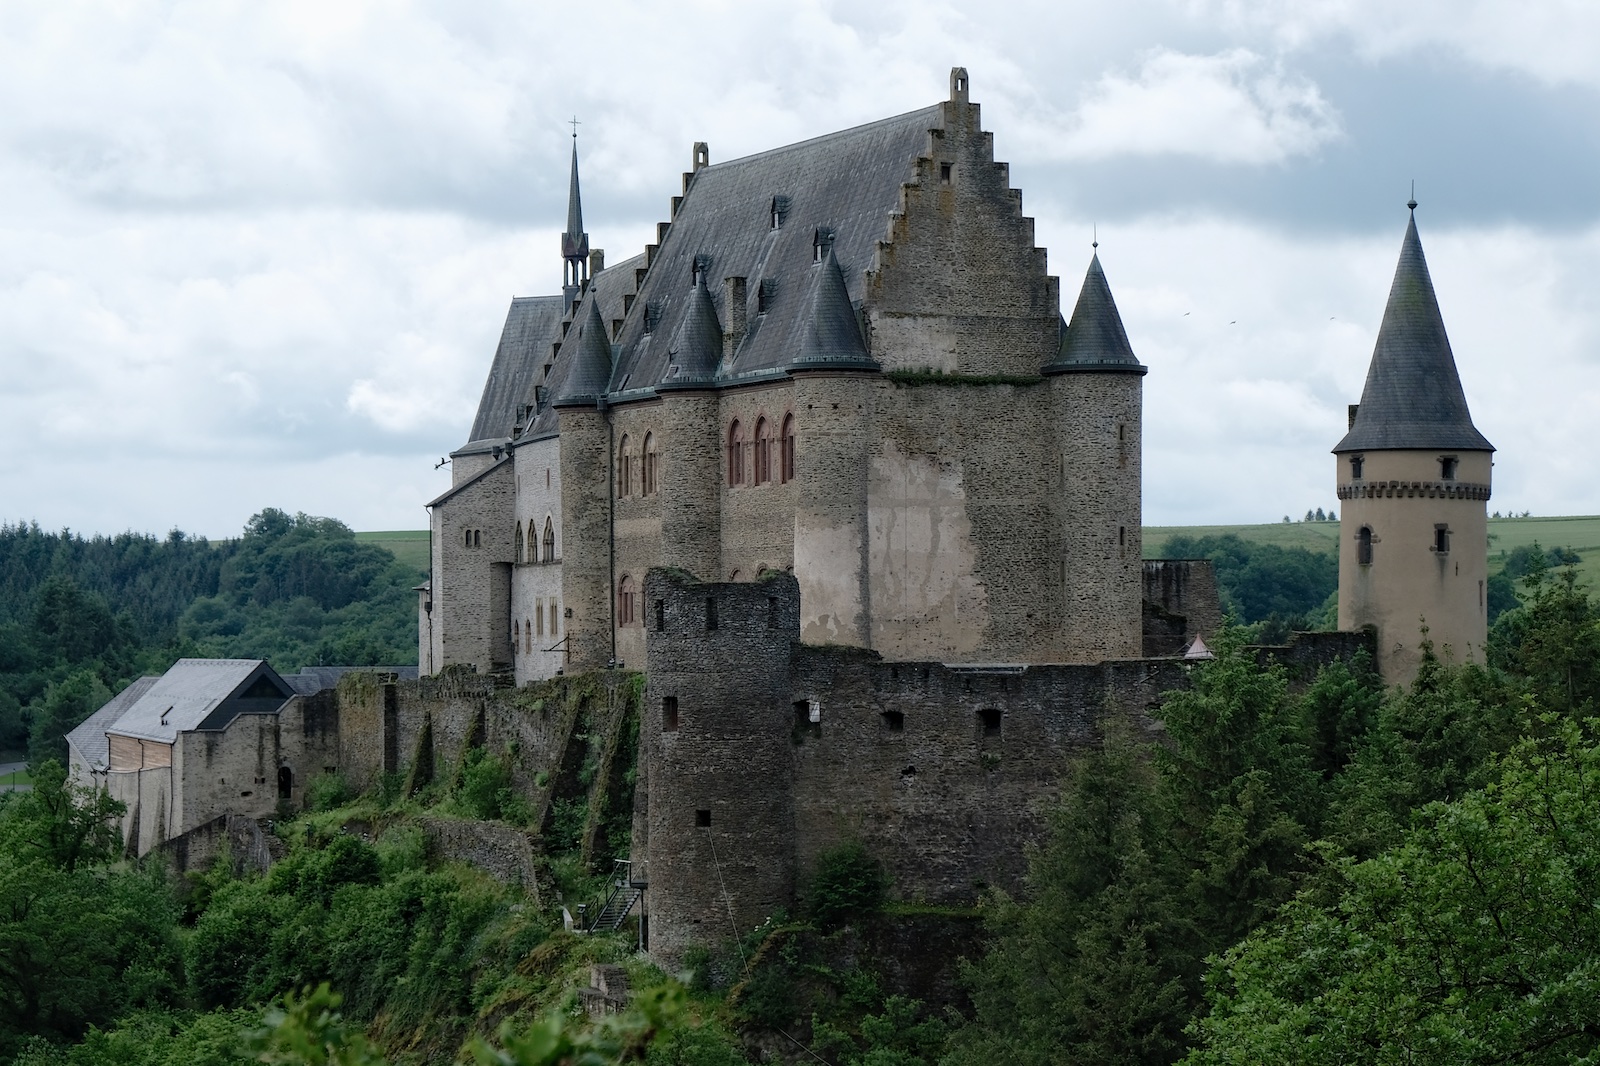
<point x="6" y="770"/>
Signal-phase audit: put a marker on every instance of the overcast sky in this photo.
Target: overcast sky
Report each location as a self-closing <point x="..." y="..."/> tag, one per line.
<point x="259" y="254"/>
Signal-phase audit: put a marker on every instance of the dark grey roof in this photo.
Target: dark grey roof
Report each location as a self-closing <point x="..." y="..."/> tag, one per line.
<point x="830" y="335"/>
<point x="499" y="461"/>
<point x="313" y="679"/>
<point x="88" y="740"/>
<point x="846" y="183"/>
<point x="696" y="349"/>
<point x="1413" y="396"/>
<point x="1094" y="339"/>
<point x="531" y="325"/>
<point x="590" y="373"/>
<point x="202" y="694"/>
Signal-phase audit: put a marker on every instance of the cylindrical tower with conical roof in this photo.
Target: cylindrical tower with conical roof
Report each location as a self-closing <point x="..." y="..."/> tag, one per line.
<point x="1414" y="480"/>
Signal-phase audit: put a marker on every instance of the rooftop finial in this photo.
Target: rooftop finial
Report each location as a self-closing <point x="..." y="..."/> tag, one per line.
<point x="1094" y="229"/>
<point x="573" y="122"/>
<point x="1412" y="203"/>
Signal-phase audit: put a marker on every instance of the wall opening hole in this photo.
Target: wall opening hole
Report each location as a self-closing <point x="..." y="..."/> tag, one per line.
<point x="910" y="771"/>
<point x="711" y="612"/>
<point x="285" y="782"/>
<point x="702" y="819"/>
<point x="944" y="173"/>
<point x="894" y="721"/>
<point x="990" y="718"/>
<point x="661" y="615"/>
<point x="669" y="714"/>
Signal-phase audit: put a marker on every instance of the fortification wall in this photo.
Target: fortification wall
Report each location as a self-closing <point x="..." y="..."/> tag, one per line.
<point x="1181" y="602"/>
<point x="502" y="851"/>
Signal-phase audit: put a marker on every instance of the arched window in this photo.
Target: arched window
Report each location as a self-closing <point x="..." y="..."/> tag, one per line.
<point x="516" y="635"/>
<point x="520" y="559"/>
<point x="527" y="636"/>
<point x="549" y="541"/>
<point x="786" y="451"/>
<point x="533" y="542"/>
<point x="1364" y="546"/>
<point x="763" y="451"/>
<point x="624" y="468"/>
<point x="736" y="449"/>
<point x="651" y="465"/>
<point x="625" y="601"/>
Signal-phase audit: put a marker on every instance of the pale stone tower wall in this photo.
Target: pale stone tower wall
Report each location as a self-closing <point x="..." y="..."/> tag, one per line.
<point x="536" y="600"/>
<point x="586" y="551"/>
<point x="833" y="437"/>
<point x="1409" y="583"/>
<point x="471" y="586"/>
<point x="1098" y="420"/>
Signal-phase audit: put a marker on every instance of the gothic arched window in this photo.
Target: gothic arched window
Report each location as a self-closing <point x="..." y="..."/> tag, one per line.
<point x="763" y="451"/>
<point x="549" y="541"/>
<point x="652" y="465"/>
<point x="625" y="597"/>
<point x="736" y="449"/>
<point x="1364" y="546"/>
<point x="520" y="559"/>
<point x="786" y="451"/>
<point x="624" y="468"/>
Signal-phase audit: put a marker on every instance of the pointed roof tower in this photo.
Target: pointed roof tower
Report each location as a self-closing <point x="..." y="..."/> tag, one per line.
<point x="1094" y="339"/>
<point x="574" y="242"/>
<point x="1413" y="397"/>
<point x="830" y="337"/>
<point x="590" y="374"/>
<point x="696" y="348"/>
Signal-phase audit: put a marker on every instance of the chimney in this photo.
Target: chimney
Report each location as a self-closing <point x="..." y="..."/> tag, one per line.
<point x="597" y="261"/>
<point x="735" y="307"/>
<point x="1353" y="409"/>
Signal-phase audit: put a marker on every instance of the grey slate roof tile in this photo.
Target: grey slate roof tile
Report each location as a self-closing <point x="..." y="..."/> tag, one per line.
<point x="89" y="738"/>
<point x="1413" y="397"/>
<point x="532" y="323"/>
<point x="847" y="182"/>
<point x="829" y="334"/>
<point x="589" y="374"/>
<point x="696" y="349"/>
<point x="1094" y="339"/>
<point x="190" y="695"/>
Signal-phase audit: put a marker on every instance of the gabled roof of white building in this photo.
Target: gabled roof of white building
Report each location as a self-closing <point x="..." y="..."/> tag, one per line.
<point x="202" y="694"/>
<point x="88" y="740"/>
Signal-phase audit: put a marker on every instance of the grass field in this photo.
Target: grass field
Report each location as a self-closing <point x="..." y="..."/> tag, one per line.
<point x="1581" y="533"/>
<point x="410" y="546"/>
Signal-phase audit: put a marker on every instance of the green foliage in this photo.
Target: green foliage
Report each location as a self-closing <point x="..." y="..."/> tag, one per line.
<point x="848" y="885"/>
<point x="902" y="1034"/>
<point x="1472" y="941"/>
<point x="60" y="823"/>
<point x="1263" y="582"/>
<point x="156" y="1038"/>
<point x="484" y="789"/>
<point x="327" y="792"/>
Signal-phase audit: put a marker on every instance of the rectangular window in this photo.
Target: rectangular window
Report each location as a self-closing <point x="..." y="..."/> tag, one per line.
<point x="990" y="718"/>
<point x="669" y="714"/>
<point x="1356" y="463"/>
<point x="894" y="721"/>
<point x="711" y="612"/>
<point x="944" y="173"/>
<point x="702" y="819"/>
<point x="538" y="616"/>
<point x="1447" y="468"/>
<point x="1441" y="539"/>
<point x="661" y="615"/>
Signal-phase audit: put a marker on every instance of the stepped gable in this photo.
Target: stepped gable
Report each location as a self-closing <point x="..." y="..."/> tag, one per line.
<point x="846" y="184"/>
<point x="830" y="335"/>
<point x="1094" y="339"/>
<point x="531" y="324"/>
<point x="696" y="349"/>
<point x="1413" y="397"/>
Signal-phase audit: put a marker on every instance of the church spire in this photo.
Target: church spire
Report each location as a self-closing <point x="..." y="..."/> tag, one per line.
<point x="1413" y="396"/>
<point x="574" y="242"/>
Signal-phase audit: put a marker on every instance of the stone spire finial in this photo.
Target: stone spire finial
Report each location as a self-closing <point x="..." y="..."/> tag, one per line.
<point x="1413" y="396"/>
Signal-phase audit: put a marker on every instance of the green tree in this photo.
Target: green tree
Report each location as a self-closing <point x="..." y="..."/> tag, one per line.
<point x="1473" y="941"/>
<point x="64" y="705"/>
<point x="58" y="822"/>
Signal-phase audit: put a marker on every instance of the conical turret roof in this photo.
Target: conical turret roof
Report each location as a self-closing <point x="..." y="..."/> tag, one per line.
<point x="1413" y="397"/>
<point x="1094" y="339"/>
<point x="830" y="336"/>
<point x="696" y="348"/>
<point x="590" y="374"/>
<point x="574" y="242"/>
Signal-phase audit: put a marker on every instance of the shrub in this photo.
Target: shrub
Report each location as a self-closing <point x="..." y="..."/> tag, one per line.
<point x="848" y="885"/>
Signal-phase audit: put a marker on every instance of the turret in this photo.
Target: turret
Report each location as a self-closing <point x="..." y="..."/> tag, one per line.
<point x="1413" y="475"/>
<point x="691" y="498"/>
<point x="586" y="495"/>
<point x="1098" y="396"/>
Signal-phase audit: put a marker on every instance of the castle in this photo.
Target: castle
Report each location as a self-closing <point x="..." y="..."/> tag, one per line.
<point x="828" y="463"/>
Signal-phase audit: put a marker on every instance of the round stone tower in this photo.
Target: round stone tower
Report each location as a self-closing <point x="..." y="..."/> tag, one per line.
<point x="1413" y="477"/>
<point x="1097" y="392"/>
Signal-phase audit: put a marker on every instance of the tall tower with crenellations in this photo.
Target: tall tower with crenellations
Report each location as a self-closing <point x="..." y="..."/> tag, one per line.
<point x="1413" y="477"/>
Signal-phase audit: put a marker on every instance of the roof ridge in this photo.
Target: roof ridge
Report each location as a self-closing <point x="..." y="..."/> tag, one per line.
<point x="834" y="135"/>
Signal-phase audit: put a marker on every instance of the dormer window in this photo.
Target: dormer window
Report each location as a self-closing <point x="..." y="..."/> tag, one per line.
<point x="1356" y="462"/>
<point x="764" y="294"/>
<point x="821" y="241"/>
<point x="702" y="263"/>
<point x="780" y="211"/>
<point x="1447" y="467"/>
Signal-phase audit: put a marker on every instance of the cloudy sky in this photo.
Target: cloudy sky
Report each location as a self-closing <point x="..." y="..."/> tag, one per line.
<point x="259" y="254"/>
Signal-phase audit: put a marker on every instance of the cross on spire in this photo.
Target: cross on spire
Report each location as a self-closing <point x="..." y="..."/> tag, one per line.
<point x="573" y="122"/>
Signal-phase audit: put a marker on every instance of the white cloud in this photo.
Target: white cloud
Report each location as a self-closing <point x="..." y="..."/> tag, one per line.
<point x="1233" y="107"/>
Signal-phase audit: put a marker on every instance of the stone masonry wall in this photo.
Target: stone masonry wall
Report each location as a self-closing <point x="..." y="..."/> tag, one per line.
<point x="1180" y="603"/>
<point x="471" y="586"/>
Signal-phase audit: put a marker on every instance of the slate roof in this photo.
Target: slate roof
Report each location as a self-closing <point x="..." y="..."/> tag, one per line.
<point x="531" y="325"/>
<point x="847" y="183"/>
<point x="313" y="679"/>
<point x="89" y="738"/>
<point x="1094" y="339"/>
<point x="199" y="694"/>
<point x="1413" y="397"/>
<point x="589" y="369"/>
<point x="829" y="333"/>
<point x="695" y="353"/>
